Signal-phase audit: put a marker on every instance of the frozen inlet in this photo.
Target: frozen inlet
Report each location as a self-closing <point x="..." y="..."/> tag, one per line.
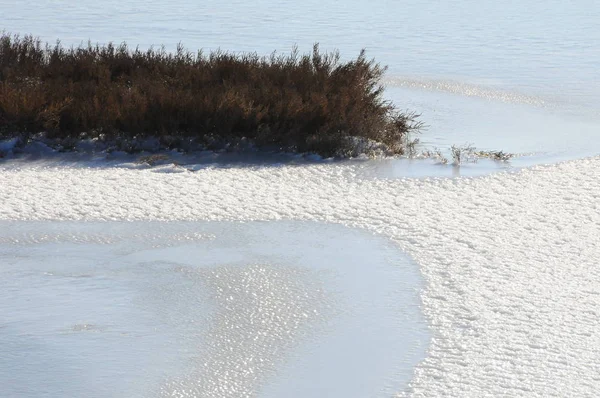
<point x="204" y="309"/>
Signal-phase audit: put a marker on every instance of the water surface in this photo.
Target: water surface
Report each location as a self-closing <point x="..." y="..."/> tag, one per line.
<point x="205" y="309"/>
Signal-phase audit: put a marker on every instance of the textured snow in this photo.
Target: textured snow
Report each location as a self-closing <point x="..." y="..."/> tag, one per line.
<point x="510" y="260"/>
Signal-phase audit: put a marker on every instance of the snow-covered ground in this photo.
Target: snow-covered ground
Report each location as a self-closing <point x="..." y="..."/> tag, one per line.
<point x="510" y="260"/>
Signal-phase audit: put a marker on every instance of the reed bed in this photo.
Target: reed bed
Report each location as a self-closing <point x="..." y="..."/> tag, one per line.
<point x="291" y="102"/>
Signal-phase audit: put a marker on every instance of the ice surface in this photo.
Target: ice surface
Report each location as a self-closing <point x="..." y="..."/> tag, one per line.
<point x="205" y="310"/>
<point x="510" y="260"/>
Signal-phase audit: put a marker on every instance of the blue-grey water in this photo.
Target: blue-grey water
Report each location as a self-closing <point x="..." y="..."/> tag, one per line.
<point x="190" y="309"/>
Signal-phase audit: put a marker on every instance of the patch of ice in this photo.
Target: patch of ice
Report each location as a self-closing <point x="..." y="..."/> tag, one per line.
<point x="469" y="90"/>
<point x="287" y="301"/>
<point x="261" y="310"/>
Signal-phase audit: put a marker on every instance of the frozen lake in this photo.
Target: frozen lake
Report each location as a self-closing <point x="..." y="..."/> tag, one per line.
<point x="422" y="287"/>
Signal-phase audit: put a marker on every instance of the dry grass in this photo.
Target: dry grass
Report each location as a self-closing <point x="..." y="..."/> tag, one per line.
<point x="302" y="103"/>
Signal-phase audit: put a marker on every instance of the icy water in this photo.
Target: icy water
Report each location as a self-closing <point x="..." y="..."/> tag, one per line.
<point x="509" y="260"/>
<point x="205" y="310"/>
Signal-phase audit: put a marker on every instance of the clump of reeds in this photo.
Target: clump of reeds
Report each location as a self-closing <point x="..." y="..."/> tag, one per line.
<point x="293" y="102"/>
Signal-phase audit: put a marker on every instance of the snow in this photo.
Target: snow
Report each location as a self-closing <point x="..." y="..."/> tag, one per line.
<point x="510" y="259"/>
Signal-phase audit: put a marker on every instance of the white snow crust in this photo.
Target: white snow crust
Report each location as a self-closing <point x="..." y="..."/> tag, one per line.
<point x="510" y="260"/>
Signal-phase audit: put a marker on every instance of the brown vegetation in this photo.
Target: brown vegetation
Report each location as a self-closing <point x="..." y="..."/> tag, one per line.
<point x="302" y="103"/>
